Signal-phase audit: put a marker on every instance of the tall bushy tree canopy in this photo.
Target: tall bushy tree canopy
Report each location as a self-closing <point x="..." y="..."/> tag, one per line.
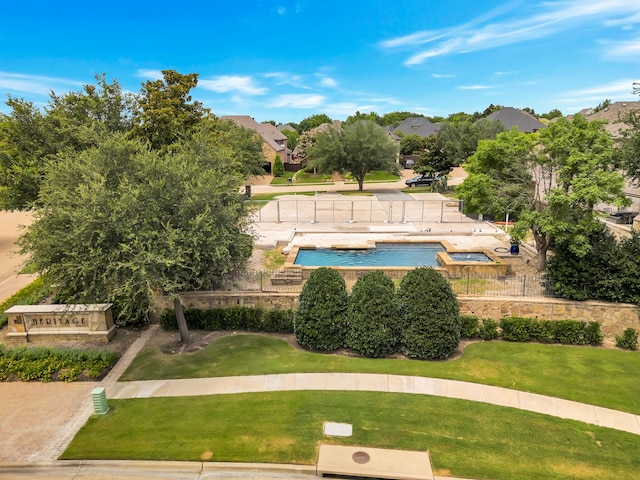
<point x="320" y="318"/>
<point x="611" y="271"/>
<point x="359" y="149"/>
<point x="119" y="222"/>
<point x="313" y="121"/>
<point x="458" y="138"/>
<point x="552" y="181"/>
<point x="372" y="316"/>
<point x="165" y="112"/>
<point x="629" y="149"/>
<point x="429" y="315"/>
<point x="30" y="138"/>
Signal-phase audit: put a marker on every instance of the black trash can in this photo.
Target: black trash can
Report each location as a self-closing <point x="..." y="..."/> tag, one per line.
<point x="515" y="249"/>
<point x="247" y="192"/>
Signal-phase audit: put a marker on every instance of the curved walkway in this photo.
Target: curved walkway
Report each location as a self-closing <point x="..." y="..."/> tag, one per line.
<point x="603" y="417"/>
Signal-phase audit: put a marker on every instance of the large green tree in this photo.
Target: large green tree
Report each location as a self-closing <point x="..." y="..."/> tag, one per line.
<point x="553" y="182"/>
<point x="313" y="121"/>
<point x="359" y="149"/>
<point x="501" y="175"/>
<point x="459" y="137"/>
<point x="165" y="113"/>
<point x="629" y="147"/>
<point x="31" y="138"/>
<point x="120" y="222"/>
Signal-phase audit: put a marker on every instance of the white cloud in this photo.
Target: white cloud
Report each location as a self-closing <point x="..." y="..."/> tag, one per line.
<point x="629" y="49"/>
<point x="34" y="84"/>
<point x="298" y="101"/>
<point x="148" y="73"/>
<point x="474" y="87"/>
<point x="442" y="75"/>
<point x="281" y="10"/>
<point x="286" y="78"/>
<point x="348" y="108"/>
<point x="232" y="83"/>
<point x="618" y="90"/>
<point x="328" y="82"/>
<point x="548" y="18"/>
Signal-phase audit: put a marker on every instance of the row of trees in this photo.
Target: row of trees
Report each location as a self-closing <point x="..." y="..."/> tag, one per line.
<point x="133" y="194"/>
<point x="420" y="319"/>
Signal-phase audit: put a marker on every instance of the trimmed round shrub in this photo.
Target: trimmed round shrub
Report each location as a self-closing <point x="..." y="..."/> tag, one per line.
<point x="372" y="316"/>
<point x="320" y="319"/>
<point x="429" y="315"/>
<point x="488" y="329"/>
<point x="469" y="326"/>
<point x="628" y="340"/>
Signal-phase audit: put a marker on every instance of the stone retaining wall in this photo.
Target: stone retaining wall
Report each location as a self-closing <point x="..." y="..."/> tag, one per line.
<point x="614" y="318"/>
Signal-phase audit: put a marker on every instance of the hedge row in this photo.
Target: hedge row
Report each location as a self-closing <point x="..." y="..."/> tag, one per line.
<point x="419" y="319"/>
<point x="49" y="363"/>
<point x="523" y="329"/>
<point x="252" y="319"/>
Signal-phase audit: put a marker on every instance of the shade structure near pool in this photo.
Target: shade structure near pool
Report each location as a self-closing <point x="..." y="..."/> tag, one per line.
<point x="383" y="255"/>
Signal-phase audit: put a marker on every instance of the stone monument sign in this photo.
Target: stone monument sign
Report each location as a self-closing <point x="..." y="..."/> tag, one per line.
<point x="30" y="323"/>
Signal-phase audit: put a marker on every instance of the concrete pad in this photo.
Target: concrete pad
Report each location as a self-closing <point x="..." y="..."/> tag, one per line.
<point x="576" y="411"/>
<point x="253" y="383"/>
<point x="500" y="396"/>
<point x="425" y="386"/>
<point x="374" y="462"/>
<point x="224" y="470"/>
<point x="341" y="381"/>
<point x="462" y="390"/>
<point x="538" y="403"/>
<point x="372" y="382"/>
<point x="338" y="429"/>
<point x="401" y="384"/>
<point x="225" y="385"/>
<point x="276" y="383"/>
<point x="312" y="381"/>
<point x="124" y="390"/>
<point x="626" y="422"/>
<point x="152" y="388"/>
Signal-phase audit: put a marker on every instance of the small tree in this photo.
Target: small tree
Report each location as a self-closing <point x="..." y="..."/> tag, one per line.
<point x="429" y="315"/>
<point x="359" y="149"/>
<point x="372" y="316"/>
<point x="320" y="318"/>
<point x="278" y="166"/>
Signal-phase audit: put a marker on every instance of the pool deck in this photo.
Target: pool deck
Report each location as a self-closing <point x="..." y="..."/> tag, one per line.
<point x="466" y="235"/>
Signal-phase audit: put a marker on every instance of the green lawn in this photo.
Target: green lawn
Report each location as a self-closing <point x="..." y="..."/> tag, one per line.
<point x="465" y="439"/>
<point x="375" y="176"/>
<point x="596" y="376"/>
<point x="282" y="180"/>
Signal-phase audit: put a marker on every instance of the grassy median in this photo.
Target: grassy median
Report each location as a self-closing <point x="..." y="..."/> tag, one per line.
<point x="597" y="376"/>
<point x="465" y="439"/>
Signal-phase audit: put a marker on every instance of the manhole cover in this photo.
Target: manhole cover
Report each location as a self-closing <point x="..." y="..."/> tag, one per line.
<point x="361" y="457"/>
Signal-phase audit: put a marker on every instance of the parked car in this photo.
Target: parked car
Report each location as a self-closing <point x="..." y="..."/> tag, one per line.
<point x="421" y="180"/>
<point x="409" y="163"/>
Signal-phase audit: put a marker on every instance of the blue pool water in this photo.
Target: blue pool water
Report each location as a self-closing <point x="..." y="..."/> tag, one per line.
<point x="469" y="257"/>
<point x="384" y="255"/>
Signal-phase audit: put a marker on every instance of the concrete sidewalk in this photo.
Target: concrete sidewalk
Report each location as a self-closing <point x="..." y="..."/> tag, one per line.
<point x="504" y="397"/>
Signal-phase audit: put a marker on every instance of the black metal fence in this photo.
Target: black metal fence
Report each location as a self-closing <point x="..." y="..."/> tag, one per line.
<point x="317" y="210"/>
<point x="518" y="285"/>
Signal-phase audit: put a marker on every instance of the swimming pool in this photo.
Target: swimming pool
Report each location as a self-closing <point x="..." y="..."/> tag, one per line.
<point x="469" y="257"/>
<point x="382" y="255"/>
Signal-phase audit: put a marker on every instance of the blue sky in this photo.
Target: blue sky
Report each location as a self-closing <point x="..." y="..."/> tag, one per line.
<point x="285" y="60"/>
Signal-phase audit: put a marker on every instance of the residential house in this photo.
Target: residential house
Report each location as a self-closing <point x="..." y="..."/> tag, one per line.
<point x="274" y="141"/>
<point x="511" y="117"/>
<point x="421" y="126"/>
